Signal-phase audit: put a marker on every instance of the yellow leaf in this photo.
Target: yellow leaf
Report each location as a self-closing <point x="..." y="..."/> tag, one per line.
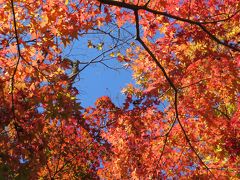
<point x="112" y="54"/>
<point x="44" y="21"/>
<point x="100" y="46"/>
<point x="66" y="2"/>
<point x="118" y="53"/>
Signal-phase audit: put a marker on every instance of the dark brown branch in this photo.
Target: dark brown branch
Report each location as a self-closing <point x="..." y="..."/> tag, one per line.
<point x="197" y="23"/>
<point x="145" y="5"/>
<point x="16" y="67"/>
<point x="216" y="39"/>
<point x="136" y="8"/>
<point x="185" y="134"/>
<point x="138" y="38"/>
<point x="172" y="85"/>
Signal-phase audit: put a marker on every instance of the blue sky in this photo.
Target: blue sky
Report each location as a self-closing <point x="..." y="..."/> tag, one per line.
<point x="97" y="80"/>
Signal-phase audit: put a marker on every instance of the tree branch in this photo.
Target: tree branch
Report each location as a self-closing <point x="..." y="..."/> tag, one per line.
<point x="138" y="38"/>
<point x="16" y="125"/>
<point x="197" y="23"/>
<point x="174" y="88"/>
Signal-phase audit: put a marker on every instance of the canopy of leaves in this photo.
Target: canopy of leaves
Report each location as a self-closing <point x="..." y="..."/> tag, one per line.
<point x="180" y="119"/>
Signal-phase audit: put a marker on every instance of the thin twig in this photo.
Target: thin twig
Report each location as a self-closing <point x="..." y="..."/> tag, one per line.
<point x="71" y="159"/>
<point x="102" y="54"/>
<point x="223" y="113"/>
<point x="164" y="144"/>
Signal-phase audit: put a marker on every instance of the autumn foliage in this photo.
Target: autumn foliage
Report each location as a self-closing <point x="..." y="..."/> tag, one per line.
<point x="180" y="120"/>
